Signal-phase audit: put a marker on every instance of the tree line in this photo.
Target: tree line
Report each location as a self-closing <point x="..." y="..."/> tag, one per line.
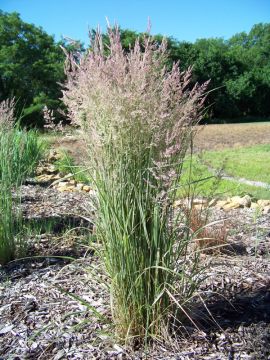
<point x="32" y="69"/>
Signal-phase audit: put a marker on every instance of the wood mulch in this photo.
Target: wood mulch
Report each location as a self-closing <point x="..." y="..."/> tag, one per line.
<point x="42" y="318"/>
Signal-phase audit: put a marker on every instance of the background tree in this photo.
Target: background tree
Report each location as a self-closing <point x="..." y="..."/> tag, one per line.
<point x="31" y="67"/>
<point x="239" y="69"/>
<point x="250" y="88"/>
<point x="32" y="63"/>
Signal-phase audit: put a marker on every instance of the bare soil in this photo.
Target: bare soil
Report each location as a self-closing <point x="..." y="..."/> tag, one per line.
<point x="221" y="136"/>
<point x="73" y="146"/>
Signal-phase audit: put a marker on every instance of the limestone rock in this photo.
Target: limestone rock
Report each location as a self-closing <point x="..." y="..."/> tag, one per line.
<point x="187" y="203"/>
<point x="221" y="203"/>
<point x="40" y="170"/>
<point x="232" y="205"/>
<point x="51" y="169"/>
<point x="46" y="169"/>
<point x="263" y="203"/>
<point x="80" y="186"/>
<point x="44" y="178"/>
<point x="254" y="205"/>
<point x="200" y="202"/>
<point x="66" y="188"/>
<point x="73" y="182"/>
<point x="266" y="210"/>
<point x="54" y="155"/>
<point x="61" y="184"/>
<point x="86" y="188"/>
<point x="244" y="201"/>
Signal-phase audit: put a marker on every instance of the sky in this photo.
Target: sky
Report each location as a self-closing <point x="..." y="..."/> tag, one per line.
<point x="185" y="20"/>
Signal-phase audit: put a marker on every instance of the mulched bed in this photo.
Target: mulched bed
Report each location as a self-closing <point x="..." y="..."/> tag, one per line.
<point x="42" y="318"/>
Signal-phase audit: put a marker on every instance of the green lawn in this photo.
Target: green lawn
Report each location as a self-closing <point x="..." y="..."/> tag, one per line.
<point x="251" y="163"/>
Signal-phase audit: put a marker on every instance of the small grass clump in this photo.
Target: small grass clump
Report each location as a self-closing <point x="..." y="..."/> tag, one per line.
<point x="66" y="165"/>
<point x="209" y="238"/>
<point x="138" y="118"/>
<point x="20" y="152"/>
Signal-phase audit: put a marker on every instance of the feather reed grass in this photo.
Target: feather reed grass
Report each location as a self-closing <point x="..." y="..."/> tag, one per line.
<point x="20" y="152"/>
<point x="138" y="118"/>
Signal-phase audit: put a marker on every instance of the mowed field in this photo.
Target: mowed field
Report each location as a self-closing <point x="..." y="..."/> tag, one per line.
<point x="224" y="136"/>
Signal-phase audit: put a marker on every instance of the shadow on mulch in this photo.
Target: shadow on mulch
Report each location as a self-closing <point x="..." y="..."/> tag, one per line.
<point x="24" y="267"/>
<point x="242" y="309"/>
<point x="58" y="224"/>
<point x="47" y="249"/>
<point x="239" y="326"/>
<point x="235" y="249"/>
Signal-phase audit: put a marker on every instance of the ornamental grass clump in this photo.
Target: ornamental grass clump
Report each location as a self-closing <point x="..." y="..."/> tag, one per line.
<point x="138" y="119"/>
<point x="20" y="152"/>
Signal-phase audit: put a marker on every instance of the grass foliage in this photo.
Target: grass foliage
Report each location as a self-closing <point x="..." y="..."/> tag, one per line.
<point x="20" y="152"/>
<point x="67" y="165"/>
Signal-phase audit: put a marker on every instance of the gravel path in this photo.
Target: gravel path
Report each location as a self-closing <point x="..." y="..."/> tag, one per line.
<point x="225" y="176"/>
<point x="246" y="182"/>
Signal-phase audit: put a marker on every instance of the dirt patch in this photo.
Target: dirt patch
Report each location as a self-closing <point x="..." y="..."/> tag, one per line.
<point x="221" y="136"/>
<point x="74" y="146"/>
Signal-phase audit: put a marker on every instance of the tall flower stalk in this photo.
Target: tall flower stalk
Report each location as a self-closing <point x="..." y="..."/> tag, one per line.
<point x="138" y="118"/>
